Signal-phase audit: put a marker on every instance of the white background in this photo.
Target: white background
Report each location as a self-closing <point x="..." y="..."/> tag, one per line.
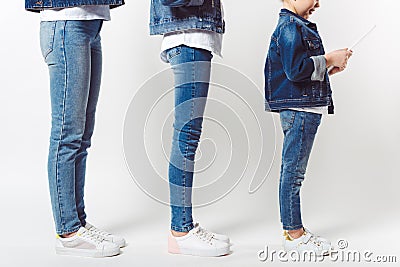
<point x="351" y="190"/>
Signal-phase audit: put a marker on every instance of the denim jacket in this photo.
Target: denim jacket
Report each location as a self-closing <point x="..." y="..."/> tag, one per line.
<point x="37" y="5"/>
<point x="289" y="68"/>
<point x="176" y="15"/>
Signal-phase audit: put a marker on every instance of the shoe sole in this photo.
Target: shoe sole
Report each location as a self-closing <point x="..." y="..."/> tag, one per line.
<point x="201" y="253"/>
<point x="87" y="252"/>
<point x="120" y="244"/>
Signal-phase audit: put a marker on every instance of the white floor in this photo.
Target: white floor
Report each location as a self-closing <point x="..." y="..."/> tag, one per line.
<point x="28" y="233"/>
<point x="148" y="248"/>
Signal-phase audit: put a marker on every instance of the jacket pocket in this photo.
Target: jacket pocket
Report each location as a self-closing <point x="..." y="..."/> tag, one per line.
<point x="47" y="32"/>
<point x="313" y="47"/>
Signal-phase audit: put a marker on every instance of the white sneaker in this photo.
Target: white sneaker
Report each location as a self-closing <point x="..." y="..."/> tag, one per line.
<point x="307" y="242"/>
<point x="321" y="239"/>
<point x="86" y="244"/>
<point x="107" y="236"/>
<point x="219" y="237"/>
<point x="198" y="243"/>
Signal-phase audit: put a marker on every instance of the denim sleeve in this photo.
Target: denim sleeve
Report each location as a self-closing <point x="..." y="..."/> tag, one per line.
<point x="298" y="66"/>
<point x="319" y="68"/>
<point x="179" y="3"/>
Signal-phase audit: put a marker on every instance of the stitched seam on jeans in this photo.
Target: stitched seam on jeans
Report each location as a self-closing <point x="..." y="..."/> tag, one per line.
<point x="190" y="132"/>
<point x="180" y="167"/>
<point x="185" y="162"/>
<point x="291" y="203"/>
<point x="302" y="116"/>
<point x="297" y="163"/>
<point x="62" y="129"/>
<point x="184" y="184"/>
<point x="190" y="120"/>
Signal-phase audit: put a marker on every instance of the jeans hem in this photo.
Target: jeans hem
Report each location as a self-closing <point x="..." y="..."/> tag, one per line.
<point x="291" y="228"/>
<point x="65" y="232"/>
<point x="182" y="229"/>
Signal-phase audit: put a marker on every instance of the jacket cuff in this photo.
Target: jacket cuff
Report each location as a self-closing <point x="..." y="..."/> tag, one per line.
<point x="319" y="68"/>
<point x="195" y="3"/>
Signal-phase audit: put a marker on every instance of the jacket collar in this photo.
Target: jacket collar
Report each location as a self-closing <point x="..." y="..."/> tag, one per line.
<point x="287" y="12"/>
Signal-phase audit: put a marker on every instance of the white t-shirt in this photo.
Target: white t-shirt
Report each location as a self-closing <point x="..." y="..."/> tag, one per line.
<point x="203" y="39"/>
<point x="318" y="110"/>
<point x="76" y="13"/>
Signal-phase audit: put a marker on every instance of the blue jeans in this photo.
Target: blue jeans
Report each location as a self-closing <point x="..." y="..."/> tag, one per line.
<point x="72" y="51"/>
<point x="191" y="67"/>
<point x="299" y="130"/>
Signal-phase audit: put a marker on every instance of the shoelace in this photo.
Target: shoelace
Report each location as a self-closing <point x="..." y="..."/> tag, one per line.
<point x="208" y="233"/>
<point x="98" y="231"/>
<point x="204" y="235"/>
<point x="315" y="240"/>
<point x="211" y="234"/>
<point x="319" y="238"/>
<point x="91" y="237"/>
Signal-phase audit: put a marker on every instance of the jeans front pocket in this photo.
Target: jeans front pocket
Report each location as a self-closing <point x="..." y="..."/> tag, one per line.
<point x="287" y="119"/>
<point x="47" y="32"/>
